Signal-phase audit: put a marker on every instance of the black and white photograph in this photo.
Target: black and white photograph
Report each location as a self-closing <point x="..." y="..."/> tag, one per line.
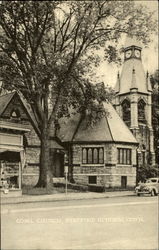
<point x="79" y="125"/>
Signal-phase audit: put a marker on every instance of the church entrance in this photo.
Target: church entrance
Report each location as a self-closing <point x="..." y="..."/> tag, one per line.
<point x="57" y="159"/>
<point x="58" y="165"/>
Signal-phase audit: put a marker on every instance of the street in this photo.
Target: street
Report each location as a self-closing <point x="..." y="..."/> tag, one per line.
<point x="112" y="223"/>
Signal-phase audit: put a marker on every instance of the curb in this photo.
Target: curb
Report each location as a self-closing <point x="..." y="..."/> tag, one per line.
<point x="51" y="199"/>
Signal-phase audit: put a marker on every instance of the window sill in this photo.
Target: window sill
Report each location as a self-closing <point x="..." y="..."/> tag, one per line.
<point x="92" y="165"/>
<point x="124" y="164"/>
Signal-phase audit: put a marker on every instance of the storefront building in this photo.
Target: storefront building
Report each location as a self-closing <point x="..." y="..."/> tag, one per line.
<point x="12" y="157"/>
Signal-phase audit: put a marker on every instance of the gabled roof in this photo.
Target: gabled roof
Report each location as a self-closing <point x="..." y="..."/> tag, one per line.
<point x="4" y="102"/>
<point x="109" y="129"/>
<point x="6" y="99"/>
<point x="29" y="111"/>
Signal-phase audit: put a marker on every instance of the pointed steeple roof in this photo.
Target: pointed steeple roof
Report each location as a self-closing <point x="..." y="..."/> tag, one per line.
<point x="133" y="81"/>
<point x="117" y="86"/>
<point x="136" y="80"/>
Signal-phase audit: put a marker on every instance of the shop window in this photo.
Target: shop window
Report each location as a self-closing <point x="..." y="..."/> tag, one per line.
<point x="141" y="111"/>
<point x="10" y="175"/>
<point x="126" y="111"/>
<point x="124" y="156"/>
<point x="93" y="155"/>
<point x="92" y="179"/>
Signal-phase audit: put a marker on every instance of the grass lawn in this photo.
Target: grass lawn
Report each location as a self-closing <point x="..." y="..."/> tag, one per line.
<point x="30" y="190"/>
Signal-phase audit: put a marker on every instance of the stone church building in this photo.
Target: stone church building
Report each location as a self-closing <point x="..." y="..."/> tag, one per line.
<point x="105" y="155"/>
<point x="133" y="101"/>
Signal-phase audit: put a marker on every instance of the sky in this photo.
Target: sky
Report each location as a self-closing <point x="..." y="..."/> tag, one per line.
<point x="108" y="72"/>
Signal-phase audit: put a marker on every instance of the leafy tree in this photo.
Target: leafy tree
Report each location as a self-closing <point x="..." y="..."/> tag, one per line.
<point x="147" y="171"/>
<point x="155" y="111"/>
<point x="49" y="51"/>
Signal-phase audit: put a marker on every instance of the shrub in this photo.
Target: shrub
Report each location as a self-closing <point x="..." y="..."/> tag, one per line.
<point x="73" y="186"/>
<point x="147" y="171"/>
<point x="95" y="188"/>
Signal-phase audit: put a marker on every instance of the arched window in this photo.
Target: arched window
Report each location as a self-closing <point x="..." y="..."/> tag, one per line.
<point x="95" y="155"/>
<point x="126" y="111"/>
<point x="89" y="155"/>
<point x="141" y="111"/>
<point x="101" y="155"/>
<point x="84" y="155"/>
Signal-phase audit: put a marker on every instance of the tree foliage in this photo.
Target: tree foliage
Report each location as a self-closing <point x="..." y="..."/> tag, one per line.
<point x="155" y="111"/>
<point x="50" y="49"/>
<point x="147" y="171"/>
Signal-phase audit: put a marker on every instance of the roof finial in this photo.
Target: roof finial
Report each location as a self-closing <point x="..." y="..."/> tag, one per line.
<point x="149" y="87"/>
<point x="117" y="86"/>
<point x="133" y="82"/>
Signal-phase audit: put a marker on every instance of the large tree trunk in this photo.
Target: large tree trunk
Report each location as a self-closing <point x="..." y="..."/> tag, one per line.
<point x="45" y="175"/>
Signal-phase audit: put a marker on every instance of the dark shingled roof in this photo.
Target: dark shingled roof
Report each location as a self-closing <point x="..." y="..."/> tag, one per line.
<point x="108" y="129"/>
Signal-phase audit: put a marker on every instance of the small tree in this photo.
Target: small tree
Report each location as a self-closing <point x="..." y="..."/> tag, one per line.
<point x="49" y="50"/>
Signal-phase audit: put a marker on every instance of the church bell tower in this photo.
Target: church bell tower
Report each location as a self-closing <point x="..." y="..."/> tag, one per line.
<point x="133" y="100"/>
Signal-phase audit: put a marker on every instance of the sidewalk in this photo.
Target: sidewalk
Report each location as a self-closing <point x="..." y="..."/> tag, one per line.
<point x="63" y="197"/>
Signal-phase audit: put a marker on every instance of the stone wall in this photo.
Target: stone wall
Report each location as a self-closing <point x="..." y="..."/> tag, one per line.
<point x="109" y="173"/>
<point x="142" y="132"/>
